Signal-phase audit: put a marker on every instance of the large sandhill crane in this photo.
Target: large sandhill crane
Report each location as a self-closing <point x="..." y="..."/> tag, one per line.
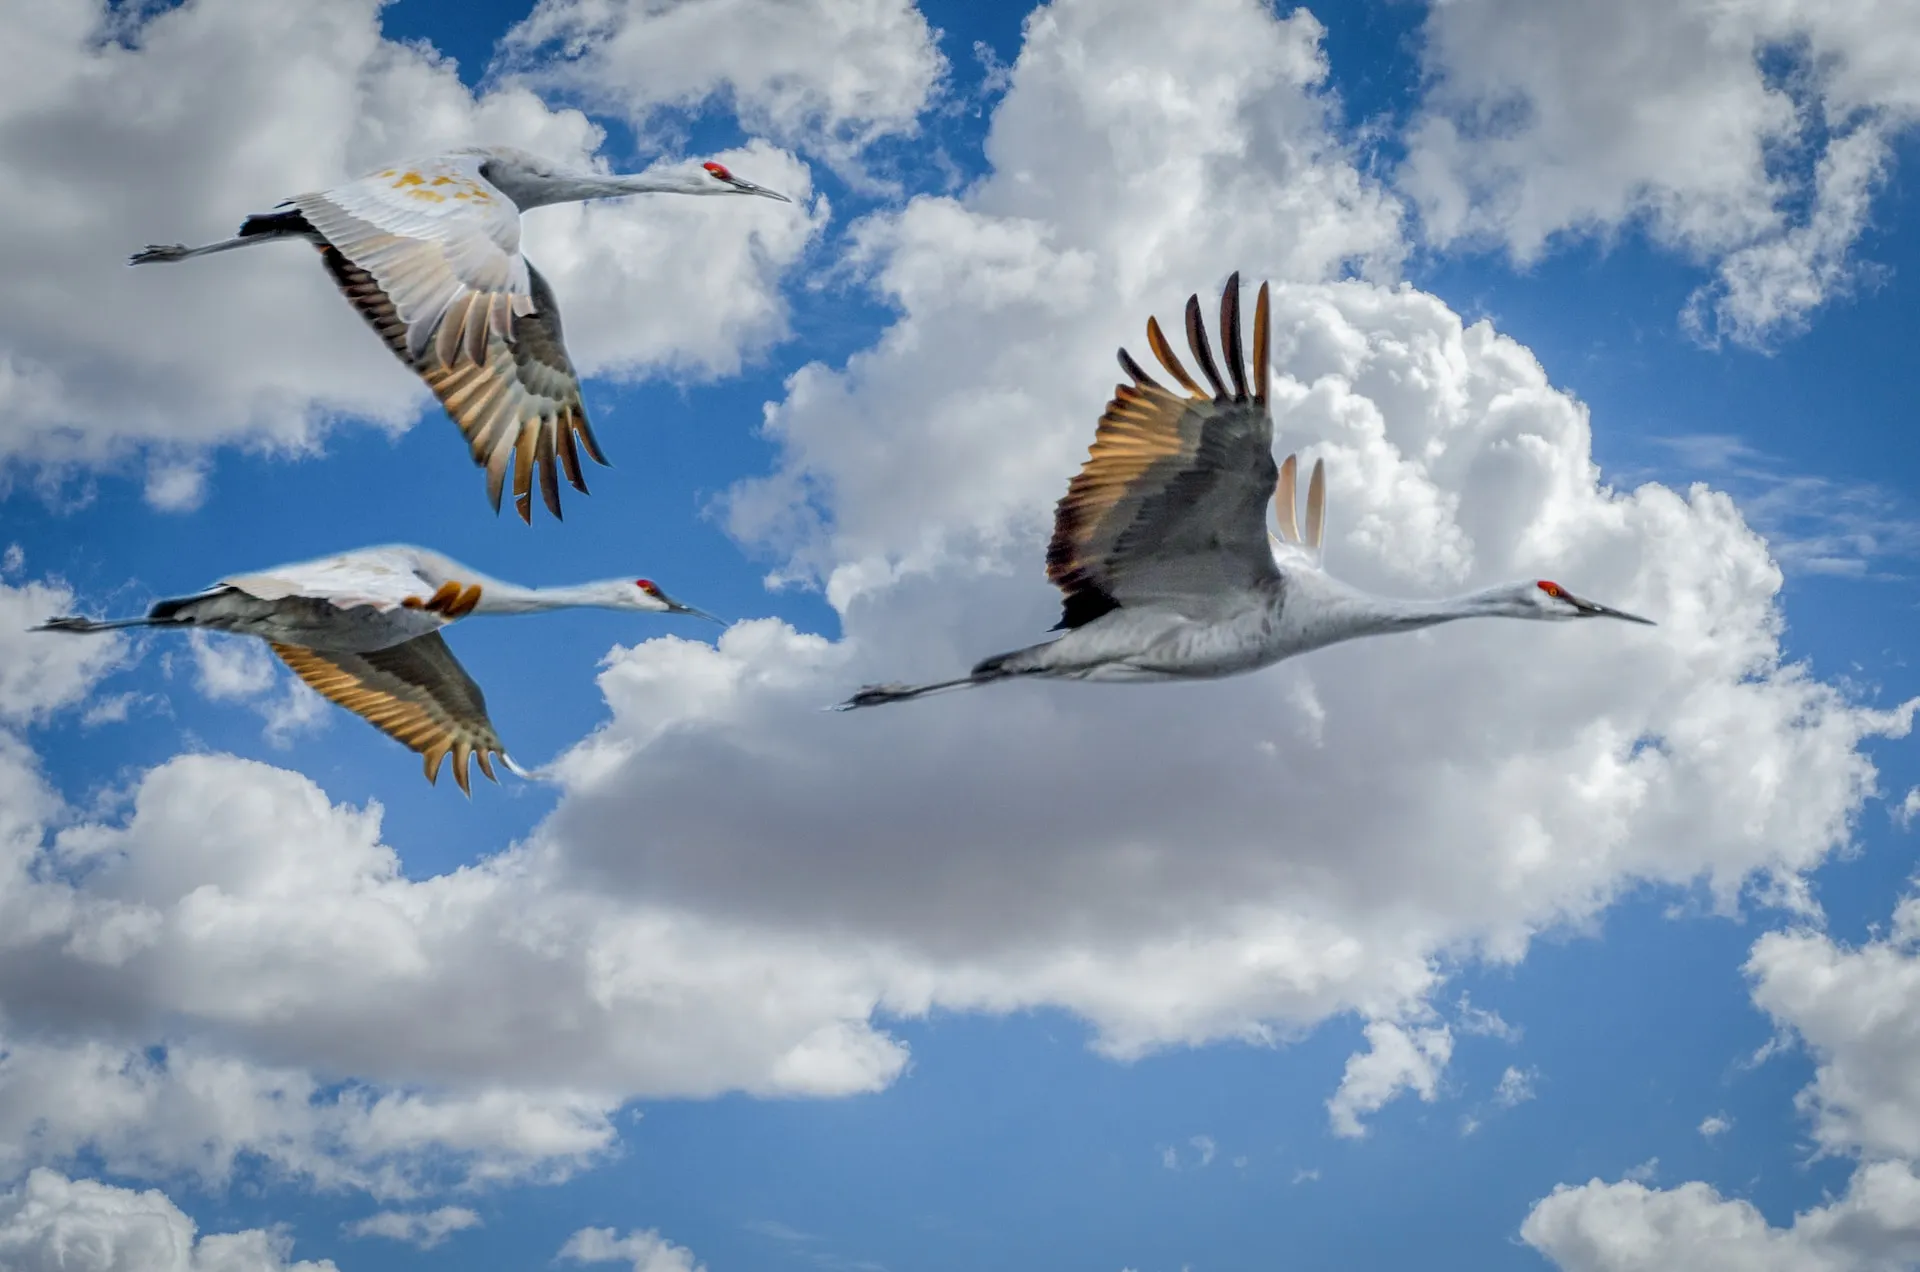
<point x="363" y="628"/>
<point x="1161" y="548"/>
<point x="428" y="252"/>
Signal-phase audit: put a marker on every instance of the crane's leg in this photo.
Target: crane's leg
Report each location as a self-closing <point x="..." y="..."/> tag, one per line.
<point x="880" y="695"/>
<point x="74" y="623"/>
<point x="984" y="672"/>
<point x="255" y="229"/>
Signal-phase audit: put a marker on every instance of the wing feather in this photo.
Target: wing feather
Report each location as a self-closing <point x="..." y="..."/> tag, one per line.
<point x="446" y="288"/>
<point x="1170" y="505"/>
<point x="416" y="693"/>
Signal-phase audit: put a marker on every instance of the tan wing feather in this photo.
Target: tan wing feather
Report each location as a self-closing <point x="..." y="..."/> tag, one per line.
<point x="1286" y="499"/>
<point x="1317" y="504"/>
<point x="416" y="693"/>
<point x="1128" y="522"/>
<point x="523" y="396"/>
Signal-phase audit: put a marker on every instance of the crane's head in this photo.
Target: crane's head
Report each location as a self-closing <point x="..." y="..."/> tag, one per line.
<point x="645" y="594"/>
<point x="730" y="184"/>
<point x="642" y="594"/>
<point x="1545" y="599"/>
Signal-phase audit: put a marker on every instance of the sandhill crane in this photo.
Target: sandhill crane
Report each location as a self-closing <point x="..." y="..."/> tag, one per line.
<point x="1161" y="548"/>
<point x="363" y="628"/>
<point x="428" y="252"/>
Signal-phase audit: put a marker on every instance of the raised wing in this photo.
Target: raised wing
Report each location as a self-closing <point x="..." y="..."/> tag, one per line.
<point x="1171" y="503"/>
<point x="416" y="693"/>
<point x="429" y="254"/>
<point x="1290" y="546"/>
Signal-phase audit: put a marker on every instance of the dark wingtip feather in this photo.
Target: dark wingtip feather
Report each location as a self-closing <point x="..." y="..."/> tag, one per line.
<point x="1140" y="377"/>
<point x="1230" y="336"/>
<point x="1202" y="349"/>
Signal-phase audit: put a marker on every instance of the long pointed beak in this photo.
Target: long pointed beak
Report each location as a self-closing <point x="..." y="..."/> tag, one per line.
<point x="1591" y="609"/>
<point x="747" y="187"/>
<point x="675" y="607"/>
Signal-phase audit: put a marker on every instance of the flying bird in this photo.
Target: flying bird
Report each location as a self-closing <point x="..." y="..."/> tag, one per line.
<point x="363" y="628"/>
<point x="428" y="252"/>
<point x="1161" y="550"/>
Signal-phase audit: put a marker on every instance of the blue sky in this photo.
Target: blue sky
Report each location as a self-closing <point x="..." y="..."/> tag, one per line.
<point x="1349" y="964"/>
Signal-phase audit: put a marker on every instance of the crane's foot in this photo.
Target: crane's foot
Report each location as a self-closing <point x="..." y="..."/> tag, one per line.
<point x="878" y="695"/>
<point x="160" y="252"/>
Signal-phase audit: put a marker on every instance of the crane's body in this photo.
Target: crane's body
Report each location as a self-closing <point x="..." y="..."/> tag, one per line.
<point x="363" y="628"/>
<point x="1161" y="550"/>
<point x="428" y="253"/>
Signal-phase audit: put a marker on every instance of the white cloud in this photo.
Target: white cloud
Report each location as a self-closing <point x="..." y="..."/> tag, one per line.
<point x="1627" y="1227"/>
<point x="49" y="1223"/>
<point x="180" y="486"/>
<point x="223" y="107"/>
<point x="1908" y="808"/>
<point x="1645" y="1173"/>
<point x="830" y="76"/>
<point x="1396" y="1060"/>
<point x="230" y="668"/>
<point x="275" y="936"/>
<point x="1523" y="137"/>
<point x="1515" y="1086"/>
<point x="40" y="672"/>
<point x="422" y="1228"/>
<point x="645" y="1249"/>
<point x="1480" y="1021"/>
<point x="242" y="669"/>
<point x="1858" y="1011"/>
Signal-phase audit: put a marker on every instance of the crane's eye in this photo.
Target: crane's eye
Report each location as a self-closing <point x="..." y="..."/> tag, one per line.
<point x="1552" y="589"/>
<point x="646" y="585"/>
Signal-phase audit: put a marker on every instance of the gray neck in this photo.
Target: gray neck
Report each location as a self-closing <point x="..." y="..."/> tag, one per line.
<point x="1338" y="612"/>
<point x="508" y="598"/>
<point x="582" y="186"/>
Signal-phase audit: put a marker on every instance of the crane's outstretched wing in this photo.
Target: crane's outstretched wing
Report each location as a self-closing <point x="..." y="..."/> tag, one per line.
<point x="416" y="693"/>
<point x="1171" y="503"/>
<point x="429" y="254"/>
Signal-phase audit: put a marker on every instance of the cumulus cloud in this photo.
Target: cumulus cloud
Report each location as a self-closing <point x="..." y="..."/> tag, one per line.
<point x="424" y="1229"/>
<point x="50" y="1223"/>
<point x="241" y="669"/>
<point x="174" y="122"/>
<point x="1740" y="117"/>
<point x="41" y="672"/>
<point x="1858" y="1011"/>
<point x="645" y="1249"/>
<point x="1628" y="1227"/>
<point x="829" y="76"/>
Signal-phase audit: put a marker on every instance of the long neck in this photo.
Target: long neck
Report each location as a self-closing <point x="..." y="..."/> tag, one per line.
<point x="579" y="187"/>
<point x="1337" y="612"/>
<point x="509" y="598"/>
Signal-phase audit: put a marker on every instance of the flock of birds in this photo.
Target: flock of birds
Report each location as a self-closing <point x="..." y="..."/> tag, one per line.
<point x="1160" y="547"/>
